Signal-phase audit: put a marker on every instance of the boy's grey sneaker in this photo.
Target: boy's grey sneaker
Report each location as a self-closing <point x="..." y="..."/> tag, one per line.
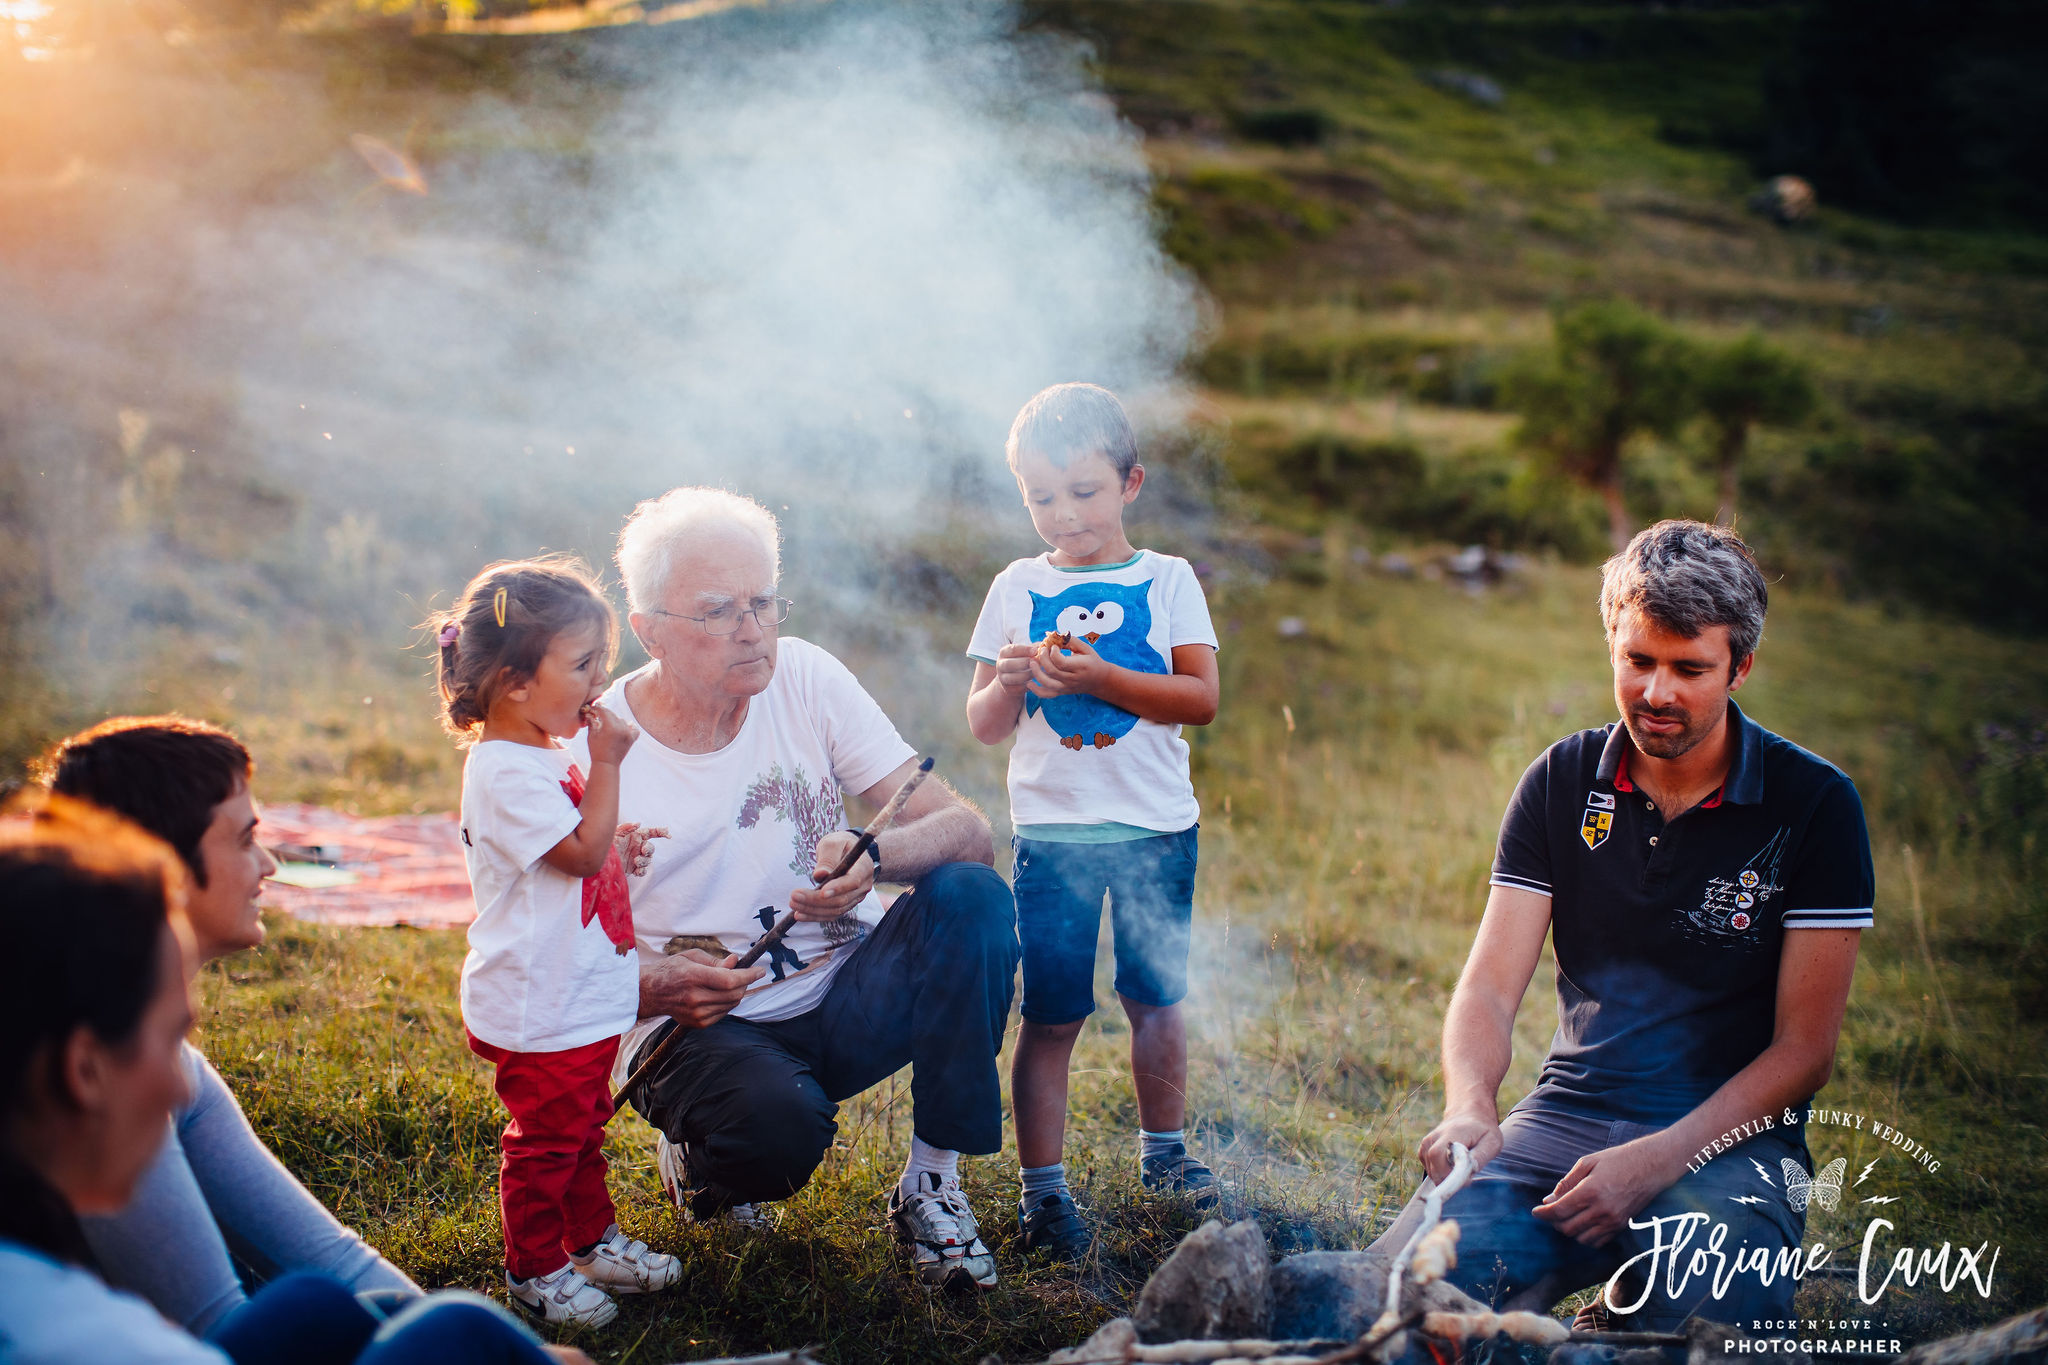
<point x="701" y="1203"/>
<point x="1053" y="1224"/>
<point x="938" y="1230"/>
<point x="1173" y="1171"/>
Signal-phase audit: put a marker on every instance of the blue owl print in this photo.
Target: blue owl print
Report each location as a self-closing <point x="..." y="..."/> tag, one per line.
<point x="1115" y="619"/>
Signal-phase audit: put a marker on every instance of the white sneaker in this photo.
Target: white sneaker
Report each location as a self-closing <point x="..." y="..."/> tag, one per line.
<point x="939" y="1231"/>
<point x="624" y="1265"/>
<point x="562" y="1297"/>
<point x="675" y="1182"/>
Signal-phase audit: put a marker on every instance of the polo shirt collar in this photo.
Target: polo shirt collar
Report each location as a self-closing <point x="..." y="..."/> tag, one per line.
<point x="1744" y="785"/>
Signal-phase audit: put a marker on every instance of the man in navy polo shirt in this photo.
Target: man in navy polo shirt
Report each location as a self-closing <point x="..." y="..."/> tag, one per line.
<point x="1704" y="883"/>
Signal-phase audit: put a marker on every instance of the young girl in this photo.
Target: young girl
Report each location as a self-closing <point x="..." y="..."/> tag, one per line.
<point x="551" y="980"/>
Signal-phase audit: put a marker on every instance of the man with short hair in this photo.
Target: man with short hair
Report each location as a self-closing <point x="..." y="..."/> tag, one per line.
<point x="1704" y="883"/>
<point x="213" y="1183"/>
<point x="749" y="739"/>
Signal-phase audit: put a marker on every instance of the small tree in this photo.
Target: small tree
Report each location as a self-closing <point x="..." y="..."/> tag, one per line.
<point x="1746" y="382"/>
<point x="1615" y="371"/>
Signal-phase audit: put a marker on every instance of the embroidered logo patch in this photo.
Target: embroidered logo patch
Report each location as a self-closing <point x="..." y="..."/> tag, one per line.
<point x="1599" y="820"/>
<point x="1730" y="905"/>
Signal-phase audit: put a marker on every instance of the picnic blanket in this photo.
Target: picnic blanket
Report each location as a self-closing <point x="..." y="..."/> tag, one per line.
<point x="369" y="871"/>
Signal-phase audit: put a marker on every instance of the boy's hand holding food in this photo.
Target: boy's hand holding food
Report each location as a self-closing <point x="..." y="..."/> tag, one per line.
<point x="1013" y="667"/>
<point x="1069" y="668"/>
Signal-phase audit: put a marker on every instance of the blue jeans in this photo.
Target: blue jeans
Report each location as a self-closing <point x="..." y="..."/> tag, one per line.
<point x="1060" y="886"/>
<point x="756" y="1104"/>
<point x="1512" y="1259"/>
<point x="305" y="1319"/>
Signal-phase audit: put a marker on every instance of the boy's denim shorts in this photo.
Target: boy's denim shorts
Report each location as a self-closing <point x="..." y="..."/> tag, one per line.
<point x="1059" y="886"/>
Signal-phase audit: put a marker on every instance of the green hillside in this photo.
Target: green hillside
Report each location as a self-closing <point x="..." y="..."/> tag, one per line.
<point x="1389" y="202"/>
<point x="1388" y="206"/>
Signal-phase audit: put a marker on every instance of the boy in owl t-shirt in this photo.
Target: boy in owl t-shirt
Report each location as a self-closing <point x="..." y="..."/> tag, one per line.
<point x="1094" y="656"/>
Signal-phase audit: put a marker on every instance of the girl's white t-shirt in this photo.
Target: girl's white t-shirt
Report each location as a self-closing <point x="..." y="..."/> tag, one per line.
<point x="537" y="978"/>
<point x="744" y="823"/>
<point x="1061" y="770"/>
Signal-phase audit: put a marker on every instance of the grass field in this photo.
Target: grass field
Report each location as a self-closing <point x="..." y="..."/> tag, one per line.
<point x="1350" y="791"/>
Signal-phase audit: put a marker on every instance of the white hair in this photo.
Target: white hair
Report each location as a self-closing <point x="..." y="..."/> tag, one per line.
<point x="661" y="527"/>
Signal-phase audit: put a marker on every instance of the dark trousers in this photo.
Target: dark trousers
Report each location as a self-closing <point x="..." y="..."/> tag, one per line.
<point x="1511" y="1259"/>
<point x="305" y="1319"/>
<point x="756" y="1104"/>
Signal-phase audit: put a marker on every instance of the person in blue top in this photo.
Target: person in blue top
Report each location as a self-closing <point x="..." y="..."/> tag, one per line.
<point x="215" y="1204"/>
<point x="95" y="1002"/>
<point x="1704" y="884"/>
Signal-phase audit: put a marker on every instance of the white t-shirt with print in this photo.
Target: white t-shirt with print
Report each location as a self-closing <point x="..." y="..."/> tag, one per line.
<point x="744" y="823"/>
<point x="1078" y="760"/>
<point x="537" y="978"/>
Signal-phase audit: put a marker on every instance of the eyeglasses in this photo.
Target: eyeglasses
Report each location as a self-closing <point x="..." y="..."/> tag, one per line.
<point x="768" y="613"/>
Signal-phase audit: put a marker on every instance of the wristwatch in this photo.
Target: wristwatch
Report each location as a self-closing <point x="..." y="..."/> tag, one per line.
<point x="874" y="848"/>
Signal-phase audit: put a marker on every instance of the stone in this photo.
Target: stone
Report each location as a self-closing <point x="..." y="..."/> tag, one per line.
<point x="1473" y="86"/>
<point x="1216" y="1286"/>
<point x="1112" y="1341"/>
<point x="1336" y="1295"/>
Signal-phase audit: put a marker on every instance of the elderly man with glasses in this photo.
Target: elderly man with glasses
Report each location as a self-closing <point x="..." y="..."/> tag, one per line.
<point x="750" y="738"/>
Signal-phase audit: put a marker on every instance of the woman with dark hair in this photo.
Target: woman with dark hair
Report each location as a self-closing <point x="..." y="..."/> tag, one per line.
<point x="213" y="1185"/>
<point x="94" y="1007"/>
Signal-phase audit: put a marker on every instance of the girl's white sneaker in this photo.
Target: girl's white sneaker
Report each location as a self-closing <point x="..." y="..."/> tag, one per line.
<point x="625" y="1265"/>
<point x="562" y="1296"/>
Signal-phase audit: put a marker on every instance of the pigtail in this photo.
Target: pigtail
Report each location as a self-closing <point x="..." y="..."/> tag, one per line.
<point x="460" y="714"/>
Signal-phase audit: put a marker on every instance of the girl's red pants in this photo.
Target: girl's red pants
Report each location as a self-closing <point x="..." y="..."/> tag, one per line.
<point x="551" y="1176"/>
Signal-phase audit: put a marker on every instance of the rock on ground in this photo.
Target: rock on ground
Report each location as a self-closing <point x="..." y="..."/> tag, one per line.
<point x="1337" y="1294"/>
<point x="1215" y="1286"/>
<point x="1112" y="1341"/>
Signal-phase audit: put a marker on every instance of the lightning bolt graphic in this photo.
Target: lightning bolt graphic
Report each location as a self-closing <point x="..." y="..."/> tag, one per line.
<point x="1867" y="1170"/>
<point x="1762" y="1172"/>
<point x="1882" y="1199"/>
<point x="1753" y="1199"/>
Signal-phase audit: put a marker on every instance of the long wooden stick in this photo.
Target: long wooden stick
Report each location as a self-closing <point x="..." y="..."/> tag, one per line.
<point x="768" y="940"/>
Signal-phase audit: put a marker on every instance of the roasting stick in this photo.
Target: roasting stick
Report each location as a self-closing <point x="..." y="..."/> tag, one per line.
<point x="782" y="926"/>
<point x="1432" y="1214"/>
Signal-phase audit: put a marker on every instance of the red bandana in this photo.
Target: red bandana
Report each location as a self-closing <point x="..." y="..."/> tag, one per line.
<point x="605" y="894"/>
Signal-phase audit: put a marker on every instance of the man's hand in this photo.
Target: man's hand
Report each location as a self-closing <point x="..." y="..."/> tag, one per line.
<point x="568" y="1355"/>
<point x="1479" y="1134"/>
<point x="1013" y="667"/>
<point x="831" y="899"/>
<point x="1056" y="673"/>
<point x="632" y="841"/>
<point x="1604" y="1189"/>
<point x="694" y="988"/>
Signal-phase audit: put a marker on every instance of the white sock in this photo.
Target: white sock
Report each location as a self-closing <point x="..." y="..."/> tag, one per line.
<point x="1040" y="1181"/>
<point x="1160" y="1144"/>
<point x="926" y="1159"/>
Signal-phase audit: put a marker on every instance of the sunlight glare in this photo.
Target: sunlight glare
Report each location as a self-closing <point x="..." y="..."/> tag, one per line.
<point x="22" y="17"/>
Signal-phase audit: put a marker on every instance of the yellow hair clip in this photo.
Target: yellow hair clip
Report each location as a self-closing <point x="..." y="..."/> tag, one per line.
<point x="498" y="607"/>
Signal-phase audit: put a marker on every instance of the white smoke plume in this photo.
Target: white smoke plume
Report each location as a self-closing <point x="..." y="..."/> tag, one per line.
<point x="820" y="254"/>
